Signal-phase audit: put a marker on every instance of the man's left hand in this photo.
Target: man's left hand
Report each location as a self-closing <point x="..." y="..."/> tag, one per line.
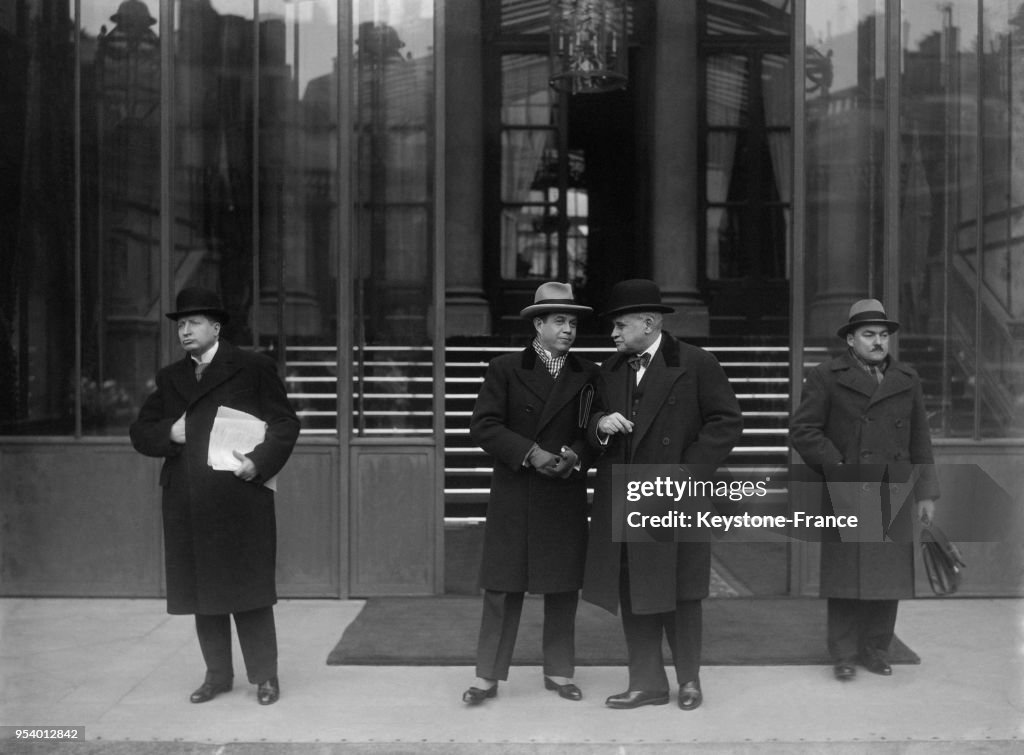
<point x="567" y="462"/>
<point x="926" y="510"/>
<point x="247" y="471"/>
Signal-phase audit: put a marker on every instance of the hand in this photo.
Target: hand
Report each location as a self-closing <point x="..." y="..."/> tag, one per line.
<point x="567" y="463"/>
<point x="247" y="471"/>
<point x="178" y="430"/>
<point x="926" y="510"/>
<point x="613" y="423"/>
<point x="543" y="461"/>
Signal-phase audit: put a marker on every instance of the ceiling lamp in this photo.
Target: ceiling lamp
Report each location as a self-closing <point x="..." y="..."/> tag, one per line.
<point x="588" y="45"/>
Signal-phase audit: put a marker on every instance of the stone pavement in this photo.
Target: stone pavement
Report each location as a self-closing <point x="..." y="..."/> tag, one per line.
<point x="124" y="669"/>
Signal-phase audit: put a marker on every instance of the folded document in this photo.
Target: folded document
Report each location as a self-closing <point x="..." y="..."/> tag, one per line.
<point x="234" y="430"/>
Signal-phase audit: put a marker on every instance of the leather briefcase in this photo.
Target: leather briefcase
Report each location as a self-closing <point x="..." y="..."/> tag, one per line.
<point x="942" y="561"/>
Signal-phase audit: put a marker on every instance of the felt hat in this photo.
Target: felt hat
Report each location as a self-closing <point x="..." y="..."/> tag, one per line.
<point x="636" y="295"/>
<point x="867" y="312"/>
<point x="198" y="301"/>
<point x="554" y="297"/>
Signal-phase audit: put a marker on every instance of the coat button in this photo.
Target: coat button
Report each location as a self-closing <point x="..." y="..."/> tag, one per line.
<point x="665" y="441"/>
<point x="671" y="399"/>
<point x="899" y="423"/>
<point x="865" y="418"/>
<point x="529" y="408"/>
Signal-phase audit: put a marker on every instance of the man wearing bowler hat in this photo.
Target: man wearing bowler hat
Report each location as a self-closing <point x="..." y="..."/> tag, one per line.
<point x="219" y="527"/>
<point x="530" y="416"/>
<point x="663" y="402"/>
<point x="862" y="423"/>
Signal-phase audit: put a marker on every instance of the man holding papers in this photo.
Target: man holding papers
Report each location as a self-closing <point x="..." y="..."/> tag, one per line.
<point x="221" y="420"/>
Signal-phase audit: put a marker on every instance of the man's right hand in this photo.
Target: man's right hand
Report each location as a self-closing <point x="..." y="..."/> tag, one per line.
<point x="178" y="430"/>
<point x="613" y="423"/>
<point x="543" y="461"/>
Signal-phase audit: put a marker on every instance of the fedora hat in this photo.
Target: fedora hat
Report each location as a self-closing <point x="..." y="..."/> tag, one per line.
<point x="867" y="312"/>
<point x="554" y="297"/>
<point x="636" y="295"/>
<point x="198" y="301"/>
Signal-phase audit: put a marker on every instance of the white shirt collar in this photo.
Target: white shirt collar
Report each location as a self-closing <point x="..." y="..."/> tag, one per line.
<point x="208" y="355"/>
<point x="653" y="348"/>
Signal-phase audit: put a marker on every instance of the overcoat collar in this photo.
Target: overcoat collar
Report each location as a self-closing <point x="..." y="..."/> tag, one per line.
<point x="849" y="374"/>
<point x="224" y="365"/>
<point x="664" y="370"/>
<point x="555" y="393"/>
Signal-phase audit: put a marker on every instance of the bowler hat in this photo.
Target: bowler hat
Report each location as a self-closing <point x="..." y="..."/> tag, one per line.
<point x="636" y="295"/>
<point x="554" y="297"/>
<point x="867" y="312"/>
<point x="198" y="301"/>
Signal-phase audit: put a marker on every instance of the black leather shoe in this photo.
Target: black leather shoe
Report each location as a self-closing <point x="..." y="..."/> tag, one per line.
<point x="844" y="671"/>
<point x="569" y="691"/>
<point x="690" y="696"/>
<point x="876" y="665"/>
<point x="209" y="690"/>
<point x="634" y="698"/>
<point x="475" y="695"/>
<point x="267" y="692"/>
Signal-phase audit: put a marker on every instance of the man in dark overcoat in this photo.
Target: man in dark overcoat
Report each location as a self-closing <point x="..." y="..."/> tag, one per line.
<point x="220" y="534"/>
<point x="664" y="402"/>
<point x="530" y="416"/>
<point x="862" y="423"/>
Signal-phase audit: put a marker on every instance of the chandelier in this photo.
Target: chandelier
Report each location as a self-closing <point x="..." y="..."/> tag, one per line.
<point x="588" y="45"/>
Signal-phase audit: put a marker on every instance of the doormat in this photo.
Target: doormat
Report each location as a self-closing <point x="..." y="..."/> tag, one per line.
<point x="442" y="631"/>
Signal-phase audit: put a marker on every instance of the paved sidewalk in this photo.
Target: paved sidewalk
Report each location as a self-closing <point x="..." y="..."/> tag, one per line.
<point x="124" y="669"/>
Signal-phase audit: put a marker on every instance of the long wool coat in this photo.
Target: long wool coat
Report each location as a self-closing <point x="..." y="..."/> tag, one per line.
<point x="220" y="535"/>
<point x="688" y="414"/>
<point x="881" y="430"/>
<point x="536" y="531"/>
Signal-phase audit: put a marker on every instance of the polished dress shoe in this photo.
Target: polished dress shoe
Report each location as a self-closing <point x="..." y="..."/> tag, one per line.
<point x="267" y="692"/>
<point x="634" y="698"/>
<point x="209" y="690"/>
<point x="569" y="691"/>
<point x="475" y="695"/>
<point x="876" y="664"/>
<point x="844" y="671"/>
<point x="690" y="696"/>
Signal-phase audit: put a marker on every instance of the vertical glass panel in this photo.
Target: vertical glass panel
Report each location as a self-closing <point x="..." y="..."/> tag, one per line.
<point x="999" y="388"/>
<point x="394" y="256"/>
<point x="37" y="242"/>
<point x="120" y="242"/>
<point x="844" y="90"/>
<point x="213" y="156"/>
<point x="298" y="201"/>
<point x="939" y="175"/>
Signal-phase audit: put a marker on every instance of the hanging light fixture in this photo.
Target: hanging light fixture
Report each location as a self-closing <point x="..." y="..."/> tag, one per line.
<point x="588" y="45"/>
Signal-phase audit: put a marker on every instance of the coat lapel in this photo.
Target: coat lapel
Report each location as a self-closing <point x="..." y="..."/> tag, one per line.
<point x="569" y="382"/>
<point x="223" y="366"/>
<point x="853" y="377"/>
<point x="896" y="381"/>
<point x="658" y="381"/>
<point x="532" y="373"/>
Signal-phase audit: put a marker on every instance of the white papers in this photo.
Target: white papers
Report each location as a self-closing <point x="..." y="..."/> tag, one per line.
<point x="234" y="430"/>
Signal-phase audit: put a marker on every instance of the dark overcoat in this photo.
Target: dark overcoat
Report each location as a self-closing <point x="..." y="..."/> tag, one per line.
<point x="535" y="537"/>
<point x="880" y="430"/>
<point x="220" y="535"/>
<point x="689" y="414"/>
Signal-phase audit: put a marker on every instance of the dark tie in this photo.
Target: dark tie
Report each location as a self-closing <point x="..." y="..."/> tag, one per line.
<point x="877" y="373"/>
<point x="200" y="368"/>
<point x="640" y="360"/>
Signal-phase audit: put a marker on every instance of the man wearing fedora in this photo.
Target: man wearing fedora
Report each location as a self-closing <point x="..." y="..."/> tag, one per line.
<point x="862" y="423"/>
<point x="663" y="402"/>
<point x="219" y="527"/>
<point x="530" y="416"/>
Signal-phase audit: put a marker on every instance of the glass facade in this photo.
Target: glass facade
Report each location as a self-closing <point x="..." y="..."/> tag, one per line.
<point x="914" y="175"/>
<point x="149" y="147"/>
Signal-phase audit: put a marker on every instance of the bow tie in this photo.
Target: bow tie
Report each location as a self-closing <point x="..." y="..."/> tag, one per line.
<point x="640" y="360"/>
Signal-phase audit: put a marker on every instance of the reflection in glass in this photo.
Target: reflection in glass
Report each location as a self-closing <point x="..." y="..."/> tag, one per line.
<point x="393" y="161"/>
